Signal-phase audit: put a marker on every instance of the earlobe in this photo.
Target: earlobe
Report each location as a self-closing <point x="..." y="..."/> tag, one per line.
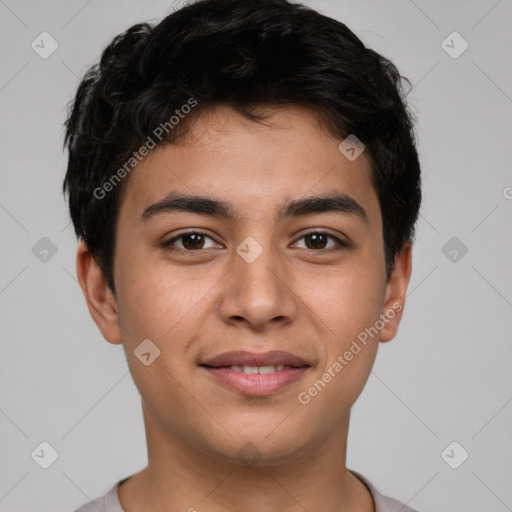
<point x="98" y="296"/>
<point x="396" y="290"/>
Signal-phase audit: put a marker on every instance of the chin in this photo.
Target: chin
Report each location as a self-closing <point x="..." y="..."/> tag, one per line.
<point x="263" y="447"/>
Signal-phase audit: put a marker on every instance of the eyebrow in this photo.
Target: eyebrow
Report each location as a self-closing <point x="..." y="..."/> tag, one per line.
<point x="202" y="205"/>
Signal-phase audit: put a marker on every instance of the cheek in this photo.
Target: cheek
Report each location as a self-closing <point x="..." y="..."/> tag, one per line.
<point x="165" y="305"/>
<point x="155" y="296"/>
<point x="348" y="311"/>
<point x="331" y="393"/>
<point x="347" y="305"/>
<point x="345" y="302"/>
<point x="163" y="309"/>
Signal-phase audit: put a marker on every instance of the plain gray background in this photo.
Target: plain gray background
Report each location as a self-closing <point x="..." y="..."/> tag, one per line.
<point x="447" y="375"/>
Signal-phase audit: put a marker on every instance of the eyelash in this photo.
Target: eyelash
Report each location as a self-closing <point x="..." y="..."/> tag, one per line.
<point x="169" y="243"/>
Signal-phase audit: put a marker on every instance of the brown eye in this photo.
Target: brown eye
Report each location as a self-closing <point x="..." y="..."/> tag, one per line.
<point x="193" y="241"/>
<point x="318" y="240"/>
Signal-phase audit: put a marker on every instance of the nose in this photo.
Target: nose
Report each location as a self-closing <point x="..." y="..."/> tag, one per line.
<point x="258" y="292"/>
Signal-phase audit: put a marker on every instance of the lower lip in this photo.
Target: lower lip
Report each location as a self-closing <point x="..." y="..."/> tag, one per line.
<point x="256" y="384"/>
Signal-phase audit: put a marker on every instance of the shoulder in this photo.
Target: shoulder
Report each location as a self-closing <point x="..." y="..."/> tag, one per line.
<point x="106" y="503"/>
<point x="110" y="501"/>
<point x="383" y="503"/>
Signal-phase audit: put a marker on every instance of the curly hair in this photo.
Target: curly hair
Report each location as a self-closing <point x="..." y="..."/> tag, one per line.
<point x="244" y="55"/>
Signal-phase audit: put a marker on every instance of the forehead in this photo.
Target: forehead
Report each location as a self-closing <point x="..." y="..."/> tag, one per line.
<point x="254" y="166"/>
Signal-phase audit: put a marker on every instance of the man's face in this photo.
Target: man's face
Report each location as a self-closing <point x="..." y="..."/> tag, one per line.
<point x="257" y="281"/>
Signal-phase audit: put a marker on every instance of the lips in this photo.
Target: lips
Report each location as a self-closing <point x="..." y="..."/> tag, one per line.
<point x="244" y="358"/>
<point x="256" y="374"/>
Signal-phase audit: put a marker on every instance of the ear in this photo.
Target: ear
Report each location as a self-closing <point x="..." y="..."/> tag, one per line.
<point x="100" y="300"/>
<point x="396" y="289"/>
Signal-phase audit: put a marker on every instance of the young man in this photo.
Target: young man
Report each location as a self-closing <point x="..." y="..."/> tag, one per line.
<point x="244" y="180"/>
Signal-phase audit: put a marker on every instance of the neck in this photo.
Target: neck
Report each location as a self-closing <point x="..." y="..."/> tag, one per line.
<point x="180" y="477"/>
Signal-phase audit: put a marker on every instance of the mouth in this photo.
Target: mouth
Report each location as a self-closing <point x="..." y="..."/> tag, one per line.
<point x="256" y="374"/>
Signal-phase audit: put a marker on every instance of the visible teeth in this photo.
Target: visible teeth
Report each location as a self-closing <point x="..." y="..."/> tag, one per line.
<point x="267" y="369"/>
<point x="257" y="369"/>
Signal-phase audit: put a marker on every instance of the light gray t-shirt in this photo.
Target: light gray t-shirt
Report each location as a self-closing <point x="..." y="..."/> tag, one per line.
<point x="110" y="501"/>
